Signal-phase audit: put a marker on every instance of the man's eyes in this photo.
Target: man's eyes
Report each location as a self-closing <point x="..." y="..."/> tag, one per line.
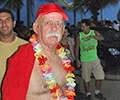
<point x="51" y="23"/>
<point x="6" y="20"/>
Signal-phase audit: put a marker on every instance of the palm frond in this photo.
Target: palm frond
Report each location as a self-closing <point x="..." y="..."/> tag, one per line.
<point x="13" y="4"/>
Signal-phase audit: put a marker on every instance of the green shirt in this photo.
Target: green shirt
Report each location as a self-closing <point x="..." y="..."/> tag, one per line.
<point x="88" y="46"/>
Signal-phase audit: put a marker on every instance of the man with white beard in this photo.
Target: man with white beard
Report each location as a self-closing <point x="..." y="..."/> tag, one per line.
<point x="41" y="70"/>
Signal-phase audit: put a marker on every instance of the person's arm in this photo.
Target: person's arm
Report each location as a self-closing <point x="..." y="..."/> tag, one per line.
<point x="98" y="36"/>
<point x="71" y="46"/>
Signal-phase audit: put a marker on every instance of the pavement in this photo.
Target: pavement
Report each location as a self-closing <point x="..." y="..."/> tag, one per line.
<point x="110" y="87"/>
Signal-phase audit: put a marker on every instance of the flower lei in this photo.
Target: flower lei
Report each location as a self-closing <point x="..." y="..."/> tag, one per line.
<point x="46" y="70"/>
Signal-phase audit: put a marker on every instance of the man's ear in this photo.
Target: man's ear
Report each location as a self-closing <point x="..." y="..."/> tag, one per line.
<point x="35" y="27"/>
<point x="63" y="30"/>
<point x="14" y="23"/>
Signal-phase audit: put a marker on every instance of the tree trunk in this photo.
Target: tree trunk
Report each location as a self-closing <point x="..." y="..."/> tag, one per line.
<point x="118" y="15"/>
<point x="18" y="14"/>
<point x="74" y="16"/>
<point x="95" y="15"/>
<point x="28" y="3"/>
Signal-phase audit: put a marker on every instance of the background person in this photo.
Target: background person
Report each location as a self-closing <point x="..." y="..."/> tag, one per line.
<point x="69" y="43"/>
<point x="9" y="42"/>
<point x="87" y="42"/>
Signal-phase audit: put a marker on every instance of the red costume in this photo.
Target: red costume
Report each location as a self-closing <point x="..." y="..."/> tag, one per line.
<point x="20" y="65"/>
<point x="16" y="81"/>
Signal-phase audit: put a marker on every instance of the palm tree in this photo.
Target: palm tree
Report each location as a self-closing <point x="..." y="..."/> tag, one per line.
<point x="100" y="4"/>
<point x="13" y="4"/>
<point x="17" y="5"/>
<point x="30" y="6"/>
<point x="118" y="15"/>
<point x="94" y="5"/>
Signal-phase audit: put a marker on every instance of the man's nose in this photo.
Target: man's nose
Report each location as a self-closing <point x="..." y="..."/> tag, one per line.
<point x="4" y="23"/>
<point x="54" y="26"/>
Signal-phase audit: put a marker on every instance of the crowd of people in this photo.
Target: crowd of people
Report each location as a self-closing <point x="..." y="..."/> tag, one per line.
<point x="43" y="68"/>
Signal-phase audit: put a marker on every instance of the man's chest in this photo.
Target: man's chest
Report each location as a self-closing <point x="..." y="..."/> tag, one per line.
<point x="37" y="82"/>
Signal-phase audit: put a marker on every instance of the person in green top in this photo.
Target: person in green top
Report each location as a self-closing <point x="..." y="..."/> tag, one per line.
<point x="86" y="43"/>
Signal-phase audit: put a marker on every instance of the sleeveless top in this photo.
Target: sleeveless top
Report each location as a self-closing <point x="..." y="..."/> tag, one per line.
<point x="88" y="46"/>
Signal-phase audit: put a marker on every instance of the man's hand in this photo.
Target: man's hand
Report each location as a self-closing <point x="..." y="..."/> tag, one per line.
<point x="78" y="64"/>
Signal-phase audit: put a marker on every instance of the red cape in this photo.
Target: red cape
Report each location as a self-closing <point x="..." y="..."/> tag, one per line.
<point x="16" y="80"/>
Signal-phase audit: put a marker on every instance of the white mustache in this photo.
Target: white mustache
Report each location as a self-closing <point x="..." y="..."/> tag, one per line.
<point x="58" y="35"/>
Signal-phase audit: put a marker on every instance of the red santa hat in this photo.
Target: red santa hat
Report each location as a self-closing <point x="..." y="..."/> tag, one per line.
<point x="51" y="7"/>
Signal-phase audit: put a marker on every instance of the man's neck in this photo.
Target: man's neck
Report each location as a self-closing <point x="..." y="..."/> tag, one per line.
<point x="7" y="39"/>
<point x="87" y="31"/>
<point x="49" y="50"/>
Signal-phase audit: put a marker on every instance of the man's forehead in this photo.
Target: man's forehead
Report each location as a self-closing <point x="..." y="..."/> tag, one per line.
<point x="4" y="15"/>
<point x="51" y="15"/>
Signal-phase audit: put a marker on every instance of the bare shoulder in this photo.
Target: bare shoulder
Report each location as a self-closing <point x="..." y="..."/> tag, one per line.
<point x="97" y="33"/>
<point x="98" y="36"/>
